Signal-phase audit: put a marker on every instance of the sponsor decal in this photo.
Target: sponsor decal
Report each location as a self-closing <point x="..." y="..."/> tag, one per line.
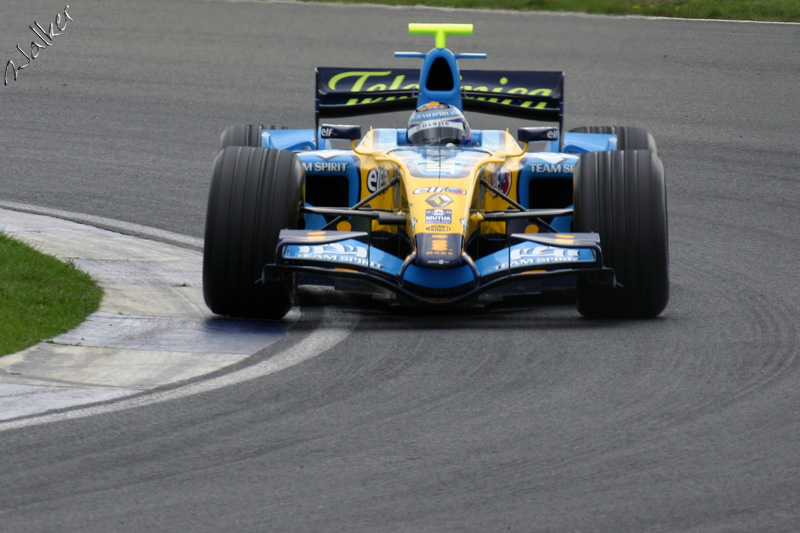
<point x="440" y="245"/>
<point x="561" y="254"/>
<point x="325" y="166"/>
<point x="433" y="110"/>
<point x="553" y="164"/>
<point x="349" y="252"/>
<point x="341" y="253"/>
<point x="539" y="255"/>
<point x="540" y="168"/>
<point x="356" y="79"/>
<point x="376" y="178"/>
<point x="340" y="131"/>
<point x="407" y="80"/>
<point x="438" y="216"/>
<point x="439" y="200"/>
<point x="501" y="180"/>
<point x="437" y="227"/>
<point x="356" y="255"/>
<point x="452" y="190"/>
<point x="428" y="124"/>
<point x="438" y="249"/>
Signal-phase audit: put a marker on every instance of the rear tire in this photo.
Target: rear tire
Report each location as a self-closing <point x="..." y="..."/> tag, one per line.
<point x="255" y="193"/>
<point x="628" y="138"/>
<point x="241" y="135"/>
<point x="621" y="195"/>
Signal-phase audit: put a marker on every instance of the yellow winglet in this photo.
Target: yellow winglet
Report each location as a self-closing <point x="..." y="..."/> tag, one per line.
<point x="441" y="31"/>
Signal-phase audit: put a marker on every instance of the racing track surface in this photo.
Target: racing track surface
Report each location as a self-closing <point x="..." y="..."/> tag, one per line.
<point x="515" y="420"/>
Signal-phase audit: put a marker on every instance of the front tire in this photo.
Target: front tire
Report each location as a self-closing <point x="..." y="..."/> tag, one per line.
<point x="241" y="135"/>
<point x="628" y="138"/>
<point x="621" y="195"/>
<point x="255" y="193"/>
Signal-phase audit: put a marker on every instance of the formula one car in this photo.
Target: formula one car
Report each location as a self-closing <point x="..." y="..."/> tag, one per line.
<point x="438" y="214"/>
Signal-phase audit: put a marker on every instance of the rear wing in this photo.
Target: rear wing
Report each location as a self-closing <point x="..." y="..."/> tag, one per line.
<point x="343" y="92"/>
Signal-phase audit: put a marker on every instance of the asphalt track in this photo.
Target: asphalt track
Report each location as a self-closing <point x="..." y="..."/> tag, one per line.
<point x="519" y="419"/>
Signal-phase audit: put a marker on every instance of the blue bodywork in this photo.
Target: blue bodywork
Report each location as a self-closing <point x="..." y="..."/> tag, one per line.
<point x="538" y="165"/>
<point x="320" y="249"/>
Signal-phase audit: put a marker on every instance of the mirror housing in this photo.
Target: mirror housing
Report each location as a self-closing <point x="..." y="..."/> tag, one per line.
<point x="533" y="134"/>
<point x="340" y="131"/>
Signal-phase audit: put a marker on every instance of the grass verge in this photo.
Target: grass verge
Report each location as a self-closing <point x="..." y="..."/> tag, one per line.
<point x="40" y="296"/>
<point x="761" y="10"/>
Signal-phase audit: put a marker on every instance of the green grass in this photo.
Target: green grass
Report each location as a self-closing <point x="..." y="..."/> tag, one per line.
<point x="40" y="296"/>
<point x="762" y="10"/>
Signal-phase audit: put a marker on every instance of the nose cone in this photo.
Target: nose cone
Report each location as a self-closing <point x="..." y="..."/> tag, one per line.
<point x="439" y="250"/>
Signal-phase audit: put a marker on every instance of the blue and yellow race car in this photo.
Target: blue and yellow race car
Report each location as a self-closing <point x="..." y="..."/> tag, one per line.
<point x="438" y="214"/>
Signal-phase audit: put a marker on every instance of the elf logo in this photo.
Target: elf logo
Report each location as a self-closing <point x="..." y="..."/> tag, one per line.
<point x="452" y="190"/>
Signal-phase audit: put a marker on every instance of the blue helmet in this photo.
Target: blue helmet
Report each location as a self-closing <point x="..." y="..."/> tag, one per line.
<point x="435" y="123"/>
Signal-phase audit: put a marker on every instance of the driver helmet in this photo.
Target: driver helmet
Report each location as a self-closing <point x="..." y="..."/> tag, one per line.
<point x="435" y="123"/>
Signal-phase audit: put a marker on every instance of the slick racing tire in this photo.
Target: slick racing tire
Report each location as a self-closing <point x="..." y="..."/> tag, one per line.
<point x="628" y="138"/>
<point x="241" y="135"/>
<point x="621" y="195"/>
<point x="255" y="193"/>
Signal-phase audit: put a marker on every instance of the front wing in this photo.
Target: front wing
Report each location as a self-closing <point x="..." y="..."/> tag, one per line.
<point x="348" y="254"/>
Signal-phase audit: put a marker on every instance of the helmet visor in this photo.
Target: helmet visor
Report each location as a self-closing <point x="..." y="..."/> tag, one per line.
<point x="437" y="132"/>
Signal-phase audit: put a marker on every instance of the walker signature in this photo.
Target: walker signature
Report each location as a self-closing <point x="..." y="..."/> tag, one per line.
<point x="47" y="37"/>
